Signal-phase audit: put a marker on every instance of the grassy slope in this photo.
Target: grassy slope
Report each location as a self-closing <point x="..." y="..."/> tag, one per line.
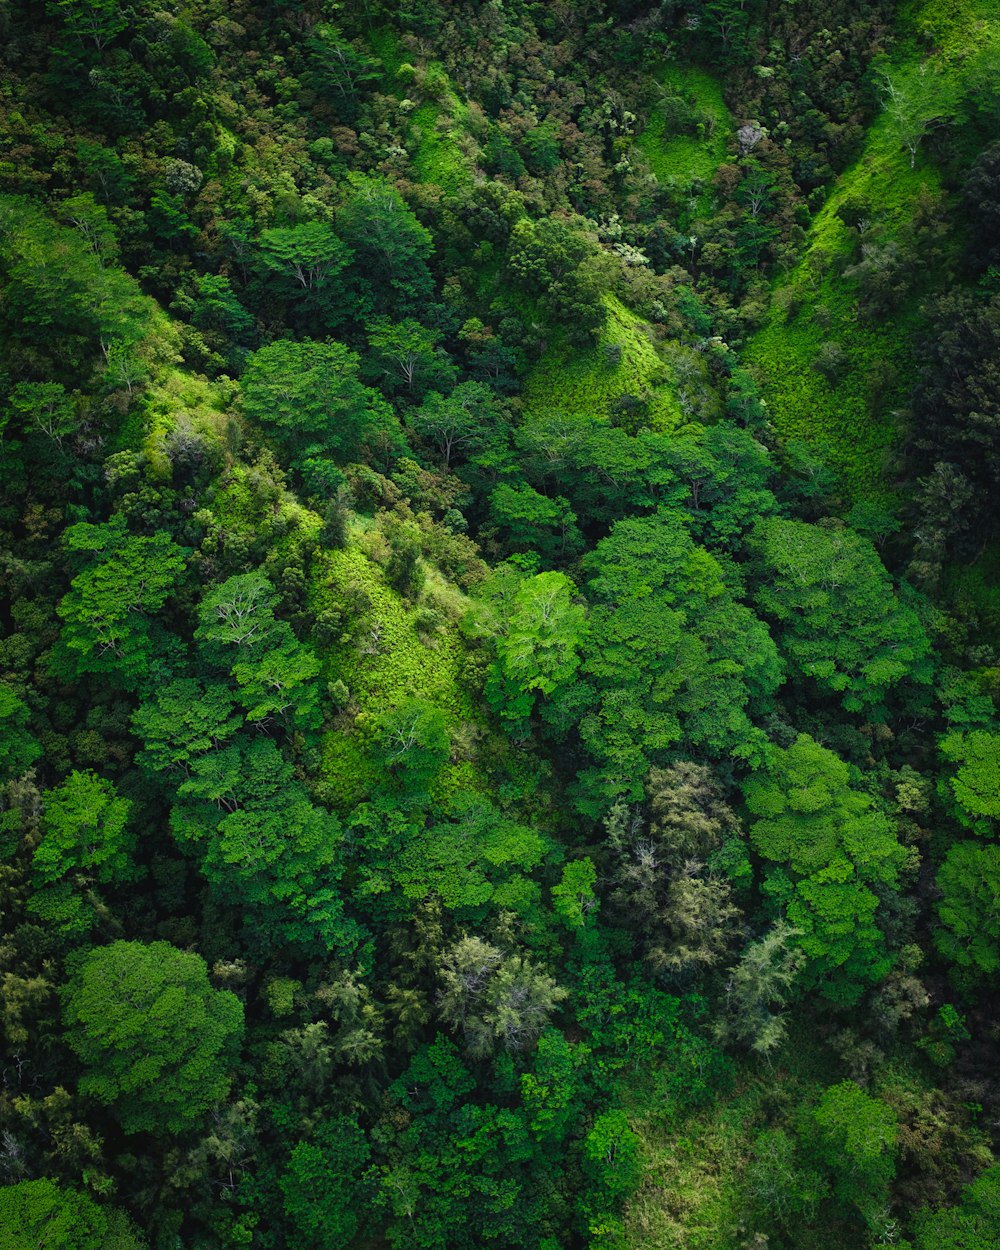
<point x="583" y="381"/>
<point x="852" y="423"/>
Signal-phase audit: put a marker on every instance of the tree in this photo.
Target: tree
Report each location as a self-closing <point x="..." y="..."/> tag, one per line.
<point x="611" y="1156"/>
<point x="975" y="787"/>
<point x="44" y="406"/>
<point x="842" y="625"/>
<point x="85" y="841"/>
<point x="305" y="263"/>
<point x="183" y="720"/>
<point x="974" y="1224"/>
<point x="310" y="395"/>
<point x="663" y="886"/>
<point x="493" y="998"/>
<point x="408" y="357"/>
<point x="672" y="661"/>
<point x="41" y="1215"/>
<point x="530" y="522"/>
<point x="854" y="1139"/>
<point x="275" y="673"/>
<point x="107" y="611"/>
<point x="413" y="743"/>
<point x="308" y="255"/>
<point x="391" y="248"/>
<point x="969" y="881"/>
<point x="18" y="749"/>
<point x="573" y="898"/>
<point x="326" y="1186"/>
<point x="461" y="424"/>
<point x="538" y="640"/>
<point x="759" y="987"/>
<point x="917" y="100"/>
<point x="157" y="1042"/>
<point x="834" y="851"/>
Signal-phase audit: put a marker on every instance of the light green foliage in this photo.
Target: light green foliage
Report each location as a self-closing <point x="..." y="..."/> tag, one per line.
<point x="308" y="256"/>
<point x="573" y="898"/>
<point x="156" y="1041"/>
<point x="59" y="288"/>
<point x="40" y="1215"/>
<point x="108" y="628"/>
<point x="407" y="356"/>
<point x="841" y="623"/>
<point x="969" y="881"/>
<point x="975" y="787"/>
<point x="383" y="662"/>
<point x="591" y="380"/>
<point x="469" y="858"/>
<point x="855" y="1139"/>
<point x="550" y="1090"/>
<point x="275" y="673"/>
<point x="611" y="1155"/>
<point x="671" y="656"/>
<point x="413" y="743"/>
<point x="759" y="987"/>
<point x="495" y="1000"/>
<point x="85" y="841"/>
<point x="832" y="847"/>
<point x="974" y="1224"/>
<point x="18" y="749"/>
<point x="539" y="632"/>
<point x="44" y="407"/>
<point x="264" y="843"/>
<point x="685" y="136"/>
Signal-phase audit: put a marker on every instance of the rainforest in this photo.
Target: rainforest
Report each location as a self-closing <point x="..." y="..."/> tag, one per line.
<point x="499" y="625"/>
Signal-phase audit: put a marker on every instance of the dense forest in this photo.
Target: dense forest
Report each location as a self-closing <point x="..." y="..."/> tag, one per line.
<point x="500" y="625"/>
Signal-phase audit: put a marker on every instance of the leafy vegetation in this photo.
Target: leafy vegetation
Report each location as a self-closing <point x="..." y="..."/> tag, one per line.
<point x="499" y="672"/>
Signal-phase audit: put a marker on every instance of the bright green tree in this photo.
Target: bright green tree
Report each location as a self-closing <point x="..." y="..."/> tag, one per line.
<point x="841" y="624"/>
<point x="108" y="613"/>
<point x="18" y="749"/>
<point x="310" y="395"/>
<point x="833" y="850"/>
<point x="156" y="1041"/>
<point x="969" y="881"/>
<point x="85" y="841"/>
<point x="540" y="628"/>
<point x="41" y="1215"/>
<point x="854" y="1139"/>
<point x="974" y="790"/>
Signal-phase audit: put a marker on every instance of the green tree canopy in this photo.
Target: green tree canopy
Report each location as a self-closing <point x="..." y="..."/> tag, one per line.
<point x="156" y="1041"/>
<point x="310" y="395"/>
<point x="834" y="850"/>
<point x="108" y="612"/>
<point x="974" y="789"/>
<point x="41" y="1215"/>
<point x="969" y="881"/>
<point x="840" y="622"/>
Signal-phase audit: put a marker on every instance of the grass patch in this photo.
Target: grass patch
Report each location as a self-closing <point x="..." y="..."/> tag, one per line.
<point x="384" y="662"/>
<point x="591" y="381"/>
<point x="686" y="142"/>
